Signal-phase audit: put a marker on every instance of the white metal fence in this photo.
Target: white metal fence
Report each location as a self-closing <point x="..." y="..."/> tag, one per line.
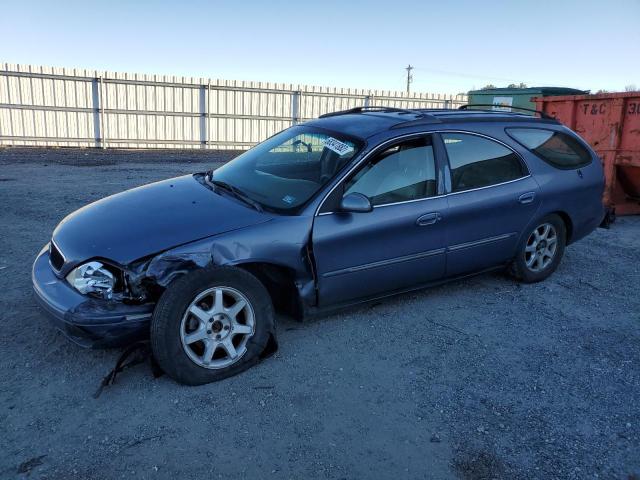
<point x="46" y="106"/>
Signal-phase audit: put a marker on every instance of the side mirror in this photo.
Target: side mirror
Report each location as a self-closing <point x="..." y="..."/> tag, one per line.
<point x="355" y="202"/>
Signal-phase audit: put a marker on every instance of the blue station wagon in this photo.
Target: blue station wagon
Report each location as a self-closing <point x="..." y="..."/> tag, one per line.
<point x="353" y="206"/>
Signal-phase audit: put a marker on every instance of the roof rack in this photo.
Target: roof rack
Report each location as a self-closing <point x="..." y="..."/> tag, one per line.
<point x="539" y="112"/>
<point x="374" y="108"/>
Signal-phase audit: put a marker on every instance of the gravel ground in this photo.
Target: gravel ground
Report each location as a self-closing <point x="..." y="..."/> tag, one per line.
<point x="478" y="379"/>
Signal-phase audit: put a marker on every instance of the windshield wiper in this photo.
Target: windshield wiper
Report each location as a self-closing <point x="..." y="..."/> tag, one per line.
<point x="235" y="191"/>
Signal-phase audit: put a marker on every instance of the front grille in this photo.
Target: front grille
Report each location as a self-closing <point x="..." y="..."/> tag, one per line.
<point x="55" y="257"/>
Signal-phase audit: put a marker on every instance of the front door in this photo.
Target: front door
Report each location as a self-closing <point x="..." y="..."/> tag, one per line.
<point x="400" y="243"/>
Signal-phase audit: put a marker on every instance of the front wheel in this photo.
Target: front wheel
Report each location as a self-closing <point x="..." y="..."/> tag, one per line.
<point x="540" y="250"/>
<point x="211" y="324"/>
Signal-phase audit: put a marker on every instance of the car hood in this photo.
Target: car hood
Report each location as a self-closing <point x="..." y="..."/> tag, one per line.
<point x="149" y="219"/>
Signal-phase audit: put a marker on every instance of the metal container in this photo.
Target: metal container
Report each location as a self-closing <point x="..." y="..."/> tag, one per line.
<point x="504" y="98"/>
<point x="610" y="122"/>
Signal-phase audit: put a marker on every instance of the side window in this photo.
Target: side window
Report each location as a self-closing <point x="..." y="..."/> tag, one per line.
<point x="479" y="162"/>
<point x="559" y="149"/>
<point x="405" y="171"/>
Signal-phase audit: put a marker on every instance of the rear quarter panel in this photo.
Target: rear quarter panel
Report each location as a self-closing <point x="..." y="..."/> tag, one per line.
<point x="574" y="192"/>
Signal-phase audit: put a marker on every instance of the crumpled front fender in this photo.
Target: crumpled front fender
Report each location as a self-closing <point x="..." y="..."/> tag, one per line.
<point x="282" y="242"/>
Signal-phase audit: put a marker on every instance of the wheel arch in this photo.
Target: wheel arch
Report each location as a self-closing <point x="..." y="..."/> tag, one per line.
<point x="568" y="224"/>
<point x="280" y="282"/>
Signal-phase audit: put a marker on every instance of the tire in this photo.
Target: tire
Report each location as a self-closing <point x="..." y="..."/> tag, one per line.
<point x="534" y="261"/>
<point x="195" y="329"/>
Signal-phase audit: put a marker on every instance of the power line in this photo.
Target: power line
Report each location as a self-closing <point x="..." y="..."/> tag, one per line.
<point x="482" y="77"/>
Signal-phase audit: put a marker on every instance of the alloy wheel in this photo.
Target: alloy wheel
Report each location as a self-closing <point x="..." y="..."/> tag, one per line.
<point x="541" y="247"/>
<point x="216" y="327"/>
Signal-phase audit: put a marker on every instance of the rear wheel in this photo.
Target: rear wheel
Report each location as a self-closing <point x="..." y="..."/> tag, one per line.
<point x="541" y="250"/>
<point x="211" y="324"/>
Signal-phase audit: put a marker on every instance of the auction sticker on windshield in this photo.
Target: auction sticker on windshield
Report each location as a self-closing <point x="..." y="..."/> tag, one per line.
<point x="337" y="146"/>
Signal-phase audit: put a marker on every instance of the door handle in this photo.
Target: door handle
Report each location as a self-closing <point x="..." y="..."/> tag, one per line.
<point x="527" y="197"/>
<point x="428" y="219"/>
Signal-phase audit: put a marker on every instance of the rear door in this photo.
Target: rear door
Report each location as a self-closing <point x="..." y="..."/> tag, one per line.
<point x="492" y="199"/>
<point x="400" y="243"/>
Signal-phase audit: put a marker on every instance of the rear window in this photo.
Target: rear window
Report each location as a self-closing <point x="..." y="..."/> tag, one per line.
<point x="559" y="149"/>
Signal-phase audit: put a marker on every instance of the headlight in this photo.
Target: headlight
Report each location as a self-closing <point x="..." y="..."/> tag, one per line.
<point x="93" y="278"/>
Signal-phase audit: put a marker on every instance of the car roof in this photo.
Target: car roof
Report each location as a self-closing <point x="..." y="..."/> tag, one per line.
<point x="364" y="122"/>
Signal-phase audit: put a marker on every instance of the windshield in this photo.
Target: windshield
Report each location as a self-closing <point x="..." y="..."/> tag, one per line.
<point x="285" y="171"/>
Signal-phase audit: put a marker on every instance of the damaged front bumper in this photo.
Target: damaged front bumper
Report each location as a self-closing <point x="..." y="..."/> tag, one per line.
<point x="89" y="322"/>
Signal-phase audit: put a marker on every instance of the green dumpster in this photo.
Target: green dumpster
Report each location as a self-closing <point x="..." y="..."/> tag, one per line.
<point x="503" y="99"/>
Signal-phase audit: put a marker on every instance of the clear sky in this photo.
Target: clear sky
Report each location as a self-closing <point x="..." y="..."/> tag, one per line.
<point x="454" y="45"/>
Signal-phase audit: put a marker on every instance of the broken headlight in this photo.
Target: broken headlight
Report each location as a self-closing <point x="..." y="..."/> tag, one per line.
<point x="92" y="278"/>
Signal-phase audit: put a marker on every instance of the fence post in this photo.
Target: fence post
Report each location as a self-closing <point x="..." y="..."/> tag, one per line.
<point x="295" y="107"/>
<point x="204" y="116"/>
<point x="208" y="113"/>
<point x="95" y="98"/>
<point x="448" y="103"/>
<point x="367" y="100"/>
<point x="103" y="126"/>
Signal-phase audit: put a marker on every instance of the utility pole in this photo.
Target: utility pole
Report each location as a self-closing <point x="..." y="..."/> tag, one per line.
<point x="409" y="77"/>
